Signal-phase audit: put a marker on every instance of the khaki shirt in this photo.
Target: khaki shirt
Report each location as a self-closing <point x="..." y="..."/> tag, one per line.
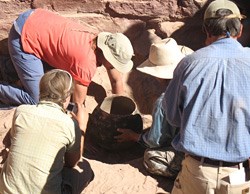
<point x="40" y="136"/>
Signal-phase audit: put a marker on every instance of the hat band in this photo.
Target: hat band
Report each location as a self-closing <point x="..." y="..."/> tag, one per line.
<point x="111" y="43"/>
<point x="230" y="16"/>
<point x="234" y="16"/>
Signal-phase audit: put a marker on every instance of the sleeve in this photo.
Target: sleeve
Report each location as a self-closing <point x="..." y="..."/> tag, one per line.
<point x="74" y="145"/>
<point x="174" y="98"/>
<point x="82" y="62"/>
<point x="161" y="132"/>
<point x="12" y="129"/>
<point x="83" y="73"/>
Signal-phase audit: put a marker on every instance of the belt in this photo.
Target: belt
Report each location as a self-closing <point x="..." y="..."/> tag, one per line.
<point x="216" y="162"/>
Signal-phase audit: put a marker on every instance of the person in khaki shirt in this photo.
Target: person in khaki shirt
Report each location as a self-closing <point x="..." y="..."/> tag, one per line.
<point x="45" y="141"/>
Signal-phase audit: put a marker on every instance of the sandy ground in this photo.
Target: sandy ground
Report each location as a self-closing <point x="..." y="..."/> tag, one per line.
<point x="120" y="172"/>
<point x="114" y="172"/>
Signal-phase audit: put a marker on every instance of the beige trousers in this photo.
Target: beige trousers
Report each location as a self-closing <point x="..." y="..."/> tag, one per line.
<point x="198" y="178"/>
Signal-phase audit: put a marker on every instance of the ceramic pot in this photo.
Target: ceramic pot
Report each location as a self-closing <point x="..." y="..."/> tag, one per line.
<point x="114" y="112"/>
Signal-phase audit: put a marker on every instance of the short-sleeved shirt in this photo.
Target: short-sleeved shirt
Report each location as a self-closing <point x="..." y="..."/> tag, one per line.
<point x="40" y="136"/>
<point x="61" y="42"/>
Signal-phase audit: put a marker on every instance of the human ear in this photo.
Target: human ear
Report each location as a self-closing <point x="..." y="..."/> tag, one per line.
<point x="240" y="33"/>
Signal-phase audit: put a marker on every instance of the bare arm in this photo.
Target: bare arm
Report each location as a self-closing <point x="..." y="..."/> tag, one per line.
<point x="116" y="81"/>
<point x="82" y="117"/>
<point x="80" y="93"/>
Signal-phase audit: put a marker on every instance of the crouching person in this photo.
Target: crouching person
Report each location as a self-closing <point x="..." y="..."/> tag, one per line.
<point x="160" y="157"/>
<point x="45" y="141"/>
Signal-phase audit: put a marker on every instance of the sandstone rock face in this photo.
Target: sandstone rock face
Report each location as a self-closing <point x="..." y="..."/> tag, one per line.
<point x="130" y="17"/>
<point x="143" y="21"/>
<point x="179" y="19"/>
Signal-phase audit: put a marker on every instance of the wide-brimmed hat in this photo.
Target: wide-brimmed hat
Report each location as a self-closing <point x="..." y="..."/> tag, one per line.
<point x="117" y="49"/>
<point x="163" y="58"/>
<point x="214" y="6"/>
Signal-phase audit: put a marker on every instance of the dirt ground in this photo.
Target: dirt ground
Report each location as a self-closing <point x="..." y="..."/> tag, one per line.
<point x="114" y="172"/>
<point x="120" y="172"/>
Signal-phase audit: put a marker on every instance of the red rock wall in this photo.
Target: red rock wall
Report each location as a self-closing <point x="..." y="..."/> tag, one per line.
<point x="132" y="17"/>
<point x="143" y="21"/>
<point x="180" y="19"/>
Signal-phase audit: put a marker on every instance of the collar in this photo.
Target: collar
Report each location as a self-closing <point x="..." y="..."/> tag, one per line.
<point x="51" y="104"/>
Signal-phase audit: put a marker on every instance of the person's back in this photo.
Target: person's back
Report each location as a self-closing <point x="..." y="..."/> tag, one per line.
<point x="66" y="45"/>
<point x="44" y="140"/>
<point x="40" y="39"/>
<point x="217" y="77"/>
<point x="41" y="135"/>
<point x="211" y="107"/>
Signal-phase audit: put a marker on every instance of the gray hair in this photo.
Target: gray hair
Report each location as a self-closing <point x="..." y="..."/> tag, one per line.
<point x="222" y="25"/>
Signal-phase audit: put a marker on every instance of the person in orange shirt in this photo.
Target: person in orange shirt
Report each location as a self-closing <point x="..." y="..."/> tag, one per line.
<point x="39" y="37"/>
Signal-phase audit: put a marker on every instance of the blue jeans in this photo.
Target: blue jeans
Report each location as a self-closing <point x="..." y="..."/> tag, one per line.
<point x="161" y="133"/>
<point x="29" y="69"/>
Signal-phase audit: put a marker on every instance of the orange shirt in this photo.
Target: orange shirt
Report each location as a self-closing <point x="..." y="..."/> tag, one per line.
<point x="60" y="42"/>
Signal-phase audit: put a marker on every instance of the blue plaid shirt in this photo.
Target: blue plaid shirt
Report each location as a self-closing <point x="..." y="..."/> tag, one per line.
<point x="210" y="102"/>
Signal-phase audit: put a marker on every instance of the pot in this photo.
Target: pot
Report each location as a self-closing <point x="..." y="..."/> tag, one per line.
<point x="113" y="113"/>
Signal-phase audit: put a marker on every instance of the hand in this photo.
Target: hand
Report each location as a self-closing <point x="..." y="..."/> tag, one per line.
<point x="127" y="135"/>
<point x="81" y="116"/>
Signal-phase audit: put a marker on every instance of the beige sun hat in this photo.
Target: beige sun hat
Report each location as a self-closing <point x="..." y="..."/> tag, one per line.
<point x="117" y="49"/>
<point x="222" y="4"/>
<point x="163" y="58"/>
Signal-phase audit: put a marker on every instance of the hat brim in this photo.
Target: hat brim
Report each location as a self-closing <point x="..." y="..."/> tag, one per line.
<point x="166" y="71"/>
<point x="163" y="72"/>
<point x="210" y="12"/>
<point x="121" y="67"/>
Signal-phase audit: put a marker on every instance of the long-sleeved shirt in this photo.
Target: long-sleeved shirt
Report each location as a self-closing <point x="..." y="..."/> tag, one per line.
<point x="40" y="136"/>
<point x="210" y="102"/>
<point x="161" y="133"/>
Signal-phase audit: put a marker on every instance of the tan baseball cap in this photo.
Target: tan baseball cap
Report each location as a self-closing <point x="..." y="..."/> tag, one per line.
<point x="117" y="49"/>
<point x="222" y="4"/>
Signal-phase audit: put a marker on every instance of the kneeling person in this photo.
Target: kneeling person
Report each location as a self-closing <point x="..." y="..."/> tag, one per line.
<point x="44" y="139"/>
<point x="160" y="158"/>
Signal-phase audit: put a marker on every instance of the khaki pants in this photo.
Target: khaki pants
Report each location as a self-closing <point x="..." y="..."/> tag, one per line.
<point x="198" y="178"/>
